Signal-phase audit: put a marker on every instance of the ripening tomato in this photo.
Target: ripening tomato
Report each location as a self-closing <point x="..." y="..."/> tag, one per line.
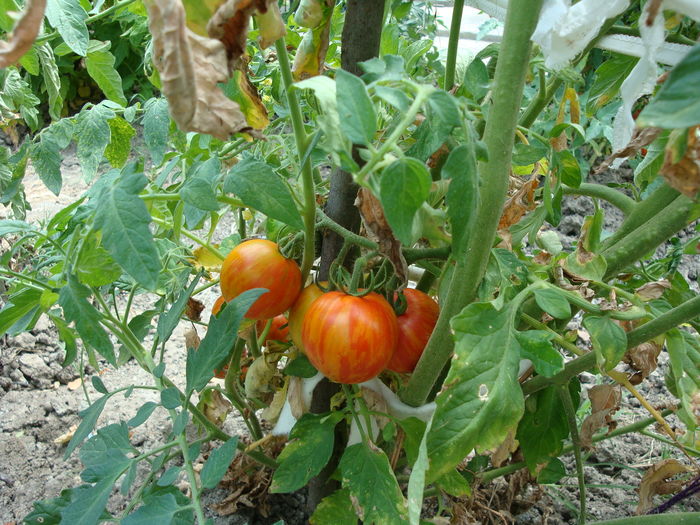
<point x="258" y="263"/>
<point x="298" y="310"/>
<point x="279" y="329"/>
<point x="415" y="326"/>
<point x="217" y="305"/>
<point x="349" y="339"/>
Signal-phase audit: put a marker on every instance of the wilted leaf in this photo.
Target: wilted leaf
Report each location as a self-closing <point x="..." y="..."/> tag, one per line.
<point x="656" y="481"/>
<point x="259" y="377"/>
<point x="194" y="309"/>
<point x="214" y="406"/>
<point x="684" y="174"/>
<point x="521" y="202"/>
<point x="65" y="438"/>
<point x="311" y="53"/>
<point x="243" y="92"/>
<point x="192" y="339"/>
<point x="605" y="401"/>
<point x="655" y="290"/>
<point x="203" y="258"/>
<point x="191" y="67"/>
<point x="641" y="138"/>
<point x="272" y="412"/>
<point x="375" y="221"/>
<point x="24" y="33"/>
<point x="642" y="358"/>
<point x="505" y="449"/>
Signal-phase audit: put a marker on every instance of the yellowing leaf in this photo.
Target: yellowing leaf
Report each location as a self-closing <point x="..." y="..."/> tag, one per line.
<point x="203" y="258"/>
<point x="684" y="174"/>
<point x="656" y="481"/>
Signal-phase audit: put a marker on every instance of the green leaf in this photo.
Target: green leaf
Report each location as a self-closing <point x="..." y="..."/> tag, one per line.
<point x="585" y="265"/>
<point x="376" y="494"/>
<point x="358" y="120"/>
<point x="19" y="305"/>
<point x="8" y="226"/>
<point x="52" y="80"/>
<point x="482" y="400"/>
<point x="67" y="335"/>
<point x="553" y="302"/>
<point x="552" y="472"/>
<point x="218" y="463"/>
<point x="536" y="346"/>
<point x="329" y="121"/>
<point x="99" y="385"/>
<point x="388" y="67"/>
<point x="124" y="221"/>
<point x="104" y="454"/>
<point x="394" y="97"/>
<point x="608" y="79"/>
<point x="259" y="187"/>
<point x="95" y="266"/>
<point x="608" y="339"/>
<point x="73" y="299"/>
<point x="88" y="503"/>
<point x="198" y="190"/>
<point x="216" y="344"/>
<point x="169" y="320"/>
<point x="89" y="415"/>
<point x="93" y="136"/>
<point x="170" y="398"/>
<point x="442" y="106"/>
<point x="300" y="367"/>
<point x="158" y="509"/>
<point x="144" y="412"/>
<point x="568" y="168"/>
<point x="119" y="147"/>
<point x="403" y="188"/>
<point x="543" y="427"/>
<point x="309" y="448"/>
<point x="416" y="482"/>
<point x="100" y="66"/>
<point x="336" y="509"/>
<point x="30" y="61"/>
<point x="46" y="160"/>
<point x="156" y="127"/>
<point x="68" y="18"/>
<point x="683" y="377"/>
<point x="476" y="80"/>
<point x="676" y="105"/>
<point x="462" y="196"/>
<point x="454" y="484"/>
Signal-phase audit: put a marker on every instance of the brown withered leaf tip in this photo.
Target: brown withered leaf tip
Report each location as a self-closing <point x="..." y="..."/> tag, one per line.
<point x="656" y="481"/>
<point x="684" y="175"/>
<point x="24" y="33"/>
<point x="375" y="221"/>
<point x="194" y="309"/>
<point x="642" y="137"/>
<point x="642" y="359"/>
<point x="605" y="401"/>
<point x="521" y="202"/>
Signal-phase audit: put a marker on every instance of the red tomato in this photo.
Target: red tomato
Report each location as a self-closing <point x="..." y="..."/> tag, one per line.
<point x="259" y="264"/>
<point x="297" y="312"/>
<point x="349" y="339"/>
<point x="279" y="329"/>
<point x="217" y="305"/>
<point x="415" y="326"/>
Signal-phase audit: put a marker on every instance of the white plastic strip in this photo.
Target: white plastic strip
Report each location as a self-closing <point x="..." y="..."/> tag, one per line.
<point x="669" y="54"/>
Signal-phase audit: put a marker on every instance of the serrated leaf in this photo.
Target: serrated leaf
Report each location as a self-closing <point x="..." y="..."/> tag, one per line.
<point x="336" y="509"/>
<point x="100" y="66"/>
<point x="216" y="344"/>
<point x="608" y="338"/>
<point x="86" y="426"/>
<point x="95" y="266"/>
<point x="553" y="302"/>
<point x="68" y="18"/>
<point x="462" y="196"/>
<point x="309" y="449"/>
<point x="88" y="503"/>
<point x="358" y="120"/>
<point x="93" y="136"/>
<point x="124" y="221"/>
<point x="366" y="472"/>
<point x="46" y="160"/>
<point x="259" y="187"/>
<point x="119" y="147"/>
<point x="542" y="428"/>
<point x="199" y="192"/>
<point x="403" y="188"/>
<point x="156" y="127"/>
<point x="52" y="80"/>
<point x="608" y="80"/>
<point x="73" y="299"/>
<point x="218" y="463"/>
<point x="676" y="105"/>
<point x="159" y="509"/>
<point x="8" y="226"/>
<point x="482" y="400"/>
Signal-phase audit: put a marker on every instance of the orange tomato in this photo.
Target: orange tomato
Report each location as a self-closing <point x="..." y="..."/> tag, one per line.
<point x="258" y="263"/>
<point x="279" y="329"/>
<point x="415" y="326"/>
<point x="349" y="339"/>
<point x="298" y="310"/>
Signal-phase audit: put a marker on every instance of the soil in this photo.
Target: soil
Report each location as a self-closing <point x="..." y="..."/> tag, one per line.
<point x="40" y="401"/>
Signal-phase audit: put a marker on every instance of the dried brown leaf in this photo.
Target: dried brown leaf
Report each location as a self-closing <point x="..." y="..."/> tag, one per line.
<point x="258" y="379"/>
<point x="655" y="290"/>
<point x="194" y="309"/>
<point x="684" y="175"/>
<point x="192" y="339"/>
<point x="505" y="449"/>
<point x="215" y="407"/>
<point x="63" y="439"/>
<point x="653" y="10"/>
<point x="655" y="481"/>
<point x="75" y="384"/>
<point x="24" y="33"/>
<point x="642" y="137"/>
<point x="191" y="67"/>
<point x="642" y="358"/>
<point x="375" y="221"/>
<point x="376" y="403"/>
<point x="272" y="412"/>
<point x="521" y="202"/>
<point x="295" y="394"/>
<point x="605" y="401"/>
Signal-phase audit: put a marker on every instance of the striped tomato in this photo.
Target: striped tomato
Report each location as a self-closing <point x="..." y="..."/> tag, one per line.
<point x="415" y="326"/>
<point x="349" y="339"/>
<point x="297" y="312"/>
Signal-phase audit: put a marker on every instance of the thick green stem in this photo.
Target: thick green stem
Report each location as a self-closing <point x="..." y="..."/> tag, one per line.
<point x="453" y="44"/>
<point x="674" y="317"/>
<point x="307" y="176"/>
<point x="618" y="199"/>
<point x="642" y="212"/>
<point x="499" y="136"/>
<point x="648" y="236"/>
<point x="570" y="411"/>
<point x="196" y="503"/>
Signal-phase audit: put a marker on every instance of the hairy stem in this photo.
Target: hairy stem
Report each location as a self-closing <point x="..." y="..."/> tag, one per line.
<point x="499" y="137"/>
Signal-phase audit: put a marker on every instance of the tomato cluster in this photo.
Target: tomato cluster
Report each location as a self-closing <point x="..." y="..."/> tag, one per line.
<point x="350" y="339"/>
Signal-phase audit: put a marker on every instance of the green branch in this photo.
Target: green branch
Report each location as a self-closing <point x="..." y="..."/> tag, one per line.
<point x="499" y="136"/>
<point x="570" y="411"/>
<point x="453" y="44"/>
<point x="618" y="199"/>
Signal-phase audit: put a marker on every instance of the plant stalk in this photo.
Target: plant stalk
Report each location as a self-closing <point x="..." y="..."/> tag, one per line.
<point x="625" y="204"/>
<point x="499" y="136"/>
<point x="570" y="411"/>
<point x="453" y="44"/>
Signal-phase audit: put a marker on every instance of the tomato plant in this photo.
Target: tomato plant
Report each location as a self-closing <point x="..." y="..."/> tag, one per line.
<point x="416" y="324"/>
<point x="349" y="339"/>
<point x="259" y="264"/>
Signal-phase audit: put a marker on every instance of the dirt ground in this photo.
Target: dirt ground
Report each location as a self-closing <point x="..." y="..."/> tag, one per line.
<point x="39" y="402"/>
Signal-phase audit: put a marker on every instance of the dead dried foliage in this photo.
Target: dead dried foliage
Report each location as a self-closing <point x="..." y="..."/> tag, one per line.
<point x="605" y="401"/>
<point x="24" y="33"/>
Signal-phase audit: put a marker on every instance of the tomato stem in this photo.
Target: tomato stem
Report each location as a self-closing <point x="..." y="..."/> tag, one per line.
<point x="570" y="411"/>
<point x="453" y="44"/>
